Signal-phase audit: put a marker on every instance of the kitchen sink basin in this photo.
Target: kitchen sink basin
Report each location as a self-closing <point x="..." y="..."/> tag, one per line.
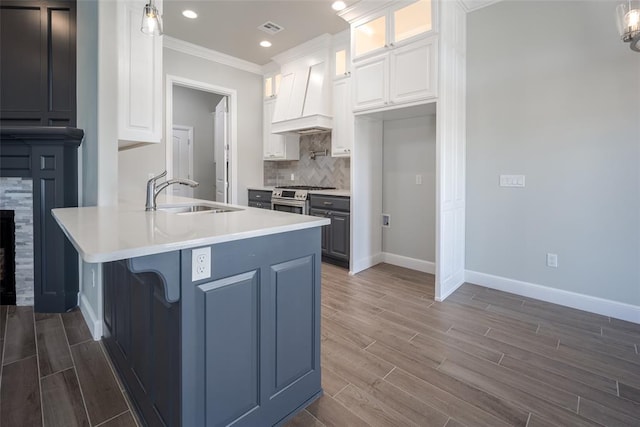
<point x="189" y="209"/>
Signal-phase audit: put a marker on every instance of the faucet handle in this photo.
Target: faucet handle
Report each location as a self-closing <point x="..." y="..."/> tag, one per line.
<point x="157" y="177"/>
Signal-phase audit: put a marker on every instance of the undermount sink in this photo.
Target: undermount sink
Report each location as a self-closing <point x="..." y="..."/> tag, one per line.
<point x="189" y="209"/>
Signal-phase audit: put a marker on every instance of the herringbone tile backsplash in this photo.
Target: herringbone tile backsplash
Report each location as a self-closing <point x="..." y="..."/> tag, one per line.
<point x="325" y="171"/>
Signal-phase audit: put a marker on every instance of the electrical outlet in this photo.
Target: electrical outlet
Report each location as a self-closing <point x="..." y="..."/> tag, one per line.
<point x="552" y="260"/>
<point x="386" y="220"/>
<point x="293" y="177"/>
<point x="93" y="278"/>
<point x="418" y="179"/>
<point x="200" y="263"/>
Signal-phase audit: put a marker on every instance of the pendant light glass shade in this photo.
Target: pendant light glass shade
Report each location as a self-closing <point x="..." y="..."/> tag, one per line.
<point x="151" y="20"/>
<point x="628" y="20"/>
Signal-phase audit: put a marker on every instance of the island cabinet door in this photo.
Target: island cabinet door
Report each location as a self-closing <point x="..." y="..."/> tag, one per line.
<point x="251" y="333"/>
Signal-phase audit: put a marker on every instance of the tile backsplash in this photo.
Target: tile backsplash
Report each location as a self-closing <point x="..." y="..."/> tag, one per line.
<point x="325" y="171"/>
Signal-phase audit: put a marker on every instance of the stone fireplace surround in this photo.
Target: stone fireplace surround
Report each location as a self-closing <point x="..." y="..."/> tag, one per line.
<point x="16" y="194"/>
<point x="48" y="157"/>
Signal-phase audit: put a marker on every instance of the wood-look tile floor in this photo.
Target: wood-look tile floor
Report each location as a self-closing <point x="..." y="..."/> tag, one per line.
<point x="52" y="373"/>
<point x="391" y="356"/>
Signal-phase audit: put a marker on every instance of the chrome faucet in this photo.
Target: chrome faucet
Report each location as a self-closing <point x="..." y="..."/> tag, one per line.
<point x="153" y="190"/>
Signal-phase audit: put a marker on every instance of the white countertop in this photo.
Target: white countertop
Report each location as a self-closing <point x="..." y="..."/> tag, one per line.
<point x="110" y="233"/>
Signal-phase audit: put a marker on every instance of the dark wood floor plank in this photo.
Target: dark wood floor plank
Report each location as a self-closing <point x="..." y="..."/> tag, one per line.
<point x="20" y="394"/>
<point x="508" y="378"/>
<point x="404" y="403"/>
<point x="605" y="415"/>
<point x="358" y="338"/>
<point x="370" y="409"/>
<point x="75" y="327"/>
<point x="629" y="392"/>
<point x="103" y="398"/>
<point x="123" y="420"/>
<point x="20" y="341"/>
<point x="603" y="364"/>
<point x="53" y="350"/>
<point x="426" y="338"/>
<point x="571" y="385"/>
<point x="449" y="403"/>
<point x="332" y="382"/>
<point x="423" y="367"/>
<point x="560" y="367"/>
<point x="531" y="403"/>
<point x="303" y="419"/>
<point x="624" y="326"/>
<point x="333" y="414"/>
<point x="377" y="328"/>
<point x="62" y="403"/>
<point x="623" y="336"/>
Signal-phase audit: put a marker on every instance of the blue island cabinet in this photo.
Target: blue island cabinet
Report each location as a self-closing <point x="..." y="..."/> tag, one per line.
<point x="241" y="348"/>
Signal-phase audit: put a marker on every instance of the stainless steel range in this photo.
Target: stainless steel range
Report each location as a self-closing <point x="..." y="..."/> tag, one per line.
<point x="294" y="198"/>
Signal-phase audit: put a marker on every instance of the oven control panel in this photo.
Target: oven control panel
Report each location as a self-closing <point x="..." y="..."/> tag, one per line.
<point x="290" y="194"/>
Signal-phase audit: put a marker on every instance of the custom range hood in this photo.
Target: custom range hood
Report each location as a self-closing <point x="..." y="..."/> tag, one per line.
<point x="303" y="105"/>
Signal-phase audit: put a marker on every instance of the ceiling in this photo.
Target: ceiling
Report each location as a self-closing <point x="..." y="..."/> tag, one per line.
<point x="230" y="27"/>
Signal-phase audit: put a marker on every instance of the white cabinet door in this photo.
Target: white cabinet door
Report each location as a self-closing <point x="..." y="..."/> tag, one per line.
<point x="277" y="147"/>
<point x="371" y="86"/>
<point x="343" y="133"/>
<point x="139" y="78"/>
<point x="413" y="71"/>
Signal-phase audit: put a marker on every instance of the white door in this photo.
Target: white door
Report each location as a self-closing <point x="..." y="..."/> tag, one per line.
<point x="182" y="158"/>
<point x="221" y="144"/>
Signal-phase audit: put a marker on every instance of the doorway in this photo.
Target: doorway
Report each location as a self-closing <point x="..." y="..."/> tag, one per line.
<point x="209" y="155"/>
<point x="182" y="158"/>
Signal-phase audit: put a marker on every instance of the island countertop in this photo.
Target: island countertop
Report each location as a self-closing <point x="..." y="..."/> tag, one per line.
<point x="111" y="233"/>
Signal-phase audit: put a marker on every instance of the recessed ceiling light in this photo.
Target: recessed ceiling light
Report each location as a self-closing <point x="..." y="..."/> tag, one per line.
<point x="189" y="14"/>
<point x="265" y="43"/>
<point x="338" y="5"/>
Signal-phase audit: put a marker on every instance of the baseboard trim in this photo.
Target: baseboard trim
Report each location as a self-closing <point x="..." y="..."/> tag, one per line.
<point x="411" y="263"/>
<point x="94" y="324"/>
<point x="364" y="263"/>
<point x="605" y="307"/>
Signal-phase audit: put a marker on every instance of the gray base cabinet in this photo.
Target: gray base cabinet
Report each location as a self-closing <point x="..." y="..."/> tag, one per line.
<point x="245" y="344"/>
<point x="260" y="199"/>
<point x="336" y="236"/>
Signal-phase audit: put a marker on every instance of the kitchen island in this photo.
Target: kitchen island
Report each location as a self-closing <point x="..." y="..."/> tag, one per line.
<point x="240" y="347"/>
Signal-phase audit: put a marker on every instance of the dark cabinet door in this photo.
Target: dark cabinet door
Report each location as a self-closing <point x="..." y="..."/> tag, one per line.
<point x="325" y="229"/>
<point x="38" y="67"/>
<point x="339" y="235"/>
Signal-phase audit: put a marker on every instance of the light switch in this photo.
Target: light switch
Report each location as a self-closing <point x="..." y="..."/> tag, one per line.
<point x="418" y="179"/>
<point x="511" y="180"/>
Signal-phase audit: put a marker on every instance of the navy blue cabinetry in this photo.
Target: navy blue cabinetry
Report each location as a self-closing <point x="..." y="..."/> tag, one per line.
<point x="248" y="348"/>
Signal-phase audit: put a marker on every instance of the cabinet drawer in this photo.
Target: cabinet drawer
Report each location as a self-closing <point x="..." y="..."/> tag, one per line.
<point x="261" y="205"/>
<point x="336" y="203"/>
<point x="260" y="196"/>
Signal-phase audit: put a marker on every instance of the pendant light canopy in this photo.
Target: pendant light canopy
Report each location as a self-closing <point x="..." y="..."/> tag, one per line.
<point x="151" y="20"/>
<point x="628" y="19"/>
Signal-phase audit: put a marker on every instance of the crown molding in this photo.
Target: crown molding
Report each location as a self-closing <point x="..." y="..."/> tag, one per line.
<point x="210" y="54"/>
<point x="471" y="5"/>
<point x="312" y="46"/>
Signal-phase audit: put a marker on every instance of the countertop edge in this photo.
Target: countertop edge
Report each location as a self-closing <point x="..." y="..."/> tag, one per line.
<point x="176" y="246"/>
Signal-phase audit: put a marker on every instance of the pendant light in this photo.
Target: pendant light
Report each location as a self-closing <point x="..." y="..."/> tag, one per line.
<point x="628" y="19"/>
<point x="151" y="20"/>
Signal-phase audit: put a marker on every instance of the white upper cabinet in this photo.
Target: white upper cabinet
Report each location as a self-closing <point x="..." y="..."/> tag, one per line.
<point x="394" y="52"/>
<point x="277" y="147"/>
<point x="393" y="26"/>
<point x="342" y="133"/>
<point x="272" y="85"/>
<point x="139" y="78"/>
<point x="341" y="56"/>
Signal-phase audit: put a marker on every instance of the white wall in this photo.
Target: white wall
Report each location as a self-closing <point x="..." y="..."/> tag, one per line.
<point x="555" y="95"/>
<point x="409" y="149"/>
<point x="137" y="163"/>
<point x="194" y="108"/>
<point x="96" y="101"/>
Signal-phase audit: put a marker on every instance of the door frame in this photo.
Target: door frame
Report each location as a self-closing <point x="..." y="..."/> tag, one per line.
<point x="189" y="130"/>
<point x="232" y="135"/>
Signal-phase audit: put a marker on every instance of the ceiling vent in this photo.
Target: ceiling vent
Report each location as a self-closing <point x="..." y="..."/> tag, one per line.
<point x="270" y="27"/>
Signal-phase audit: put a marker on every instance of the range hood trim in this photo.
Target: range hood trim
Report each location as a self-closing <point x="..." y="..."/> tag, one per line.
<point x="303" y="125"/>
